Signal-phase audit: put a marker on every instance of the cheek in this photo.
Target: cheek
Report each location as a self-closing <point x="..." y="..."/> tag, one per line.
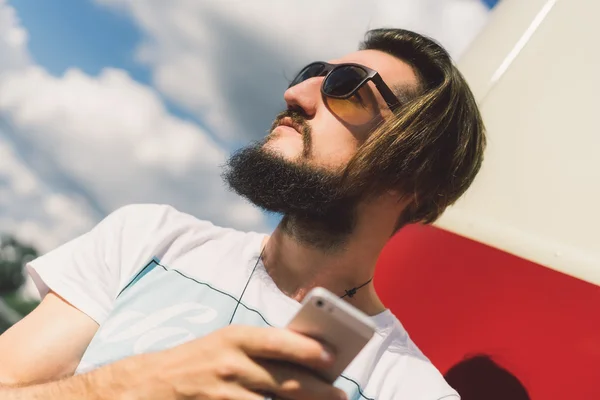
<point x="333" y="144"/>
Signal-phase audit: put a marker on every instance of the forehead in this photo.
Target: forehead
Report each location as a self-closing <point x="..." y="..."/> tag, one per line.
<point x="394" y="71"/>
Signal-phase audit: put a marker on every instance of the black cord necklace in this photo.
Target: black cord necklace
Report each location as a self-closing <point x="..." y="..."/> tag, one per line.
<point x="348" y="293"/>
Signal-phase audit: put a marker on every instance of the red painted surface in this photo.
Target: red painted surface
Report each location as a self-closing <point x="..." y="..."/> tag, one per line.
<point x="457" y="297"/>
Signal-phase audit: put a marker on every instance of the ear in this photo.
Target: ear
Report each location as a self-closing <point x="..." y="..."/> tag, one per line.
<point x="399" y="197"/>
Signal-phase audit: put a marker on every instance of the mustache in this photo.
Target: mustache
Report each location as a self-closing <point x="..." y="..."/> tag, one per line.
<point x="299" y="118"/>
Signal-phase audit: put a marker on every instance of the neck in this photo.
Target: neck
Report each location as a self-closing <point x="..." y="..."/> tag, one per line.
<point x="296" y="266"/>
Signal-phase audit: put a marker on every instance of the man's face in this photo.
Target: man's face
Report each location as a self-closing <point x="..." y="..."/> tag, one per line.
<point x="297" y="169"/>
<point x="333" y="138"/>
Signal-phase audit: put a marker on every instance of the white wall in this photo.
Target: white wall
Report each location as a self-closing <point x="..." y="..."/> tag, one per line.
<point x="535" y="70"/>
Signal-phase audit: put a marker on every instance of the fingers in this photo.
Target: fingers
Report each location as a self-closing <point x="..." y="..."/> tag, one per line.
<point x="282" y="345"/>
<point x="231" y="392"/>
<point x="281" y="380"/>
<point x="292" y="382"/>
<point x="285" y="360"/>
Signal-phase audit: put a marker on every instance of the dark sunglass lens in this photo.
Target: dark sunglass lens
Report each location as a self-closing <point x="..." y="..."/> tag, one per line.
<point x="343" y="80"/>
<point x="308" y="72"/>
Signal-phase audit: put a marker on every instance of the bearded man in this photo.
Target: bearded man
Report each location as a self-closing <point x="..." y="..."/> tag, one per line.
<point x="156" y="304"/>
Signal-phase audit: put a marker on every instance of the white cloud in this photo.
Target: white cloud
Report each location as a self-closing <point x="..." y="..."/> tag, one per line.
<point x="77" y="146"/>
<point x="34" y="212"/>
<point x="115" y="139"/>
<point x="13" y="40"/>
<point x="16" y="177"/>
<point x="227" y="61"/>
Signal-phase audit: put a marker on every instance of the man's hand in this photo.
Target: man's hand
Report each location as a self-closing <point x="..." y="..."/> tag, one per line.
<point x="233" y="363"/>
<point x="236" y="363"/>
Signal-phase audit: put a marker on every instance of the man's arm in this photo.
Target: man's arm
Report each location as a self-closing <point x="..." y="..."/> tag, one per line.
<point x="109" y="382"/>
<point x="46" y="345"/>
<point x="40" y="353"/>
<point x="241" y="363"/>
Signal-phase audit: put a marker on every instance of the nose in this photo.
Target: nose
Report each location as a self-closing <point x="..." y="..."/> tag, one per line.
<point x="305" y="95"/>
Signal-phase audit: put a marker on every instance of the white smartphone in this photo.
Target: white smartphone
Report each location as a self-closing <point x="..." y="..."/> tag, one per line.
<point x="332" y="321"/>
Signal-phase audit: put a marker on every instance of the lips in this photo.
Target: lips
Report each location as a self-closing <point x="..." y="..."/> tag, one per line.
<point x="291" y="124"/>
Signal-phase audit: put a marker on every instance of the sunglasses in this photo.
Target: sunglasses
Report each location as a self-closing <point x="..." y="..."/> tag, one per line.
<point x="345" y="92"/>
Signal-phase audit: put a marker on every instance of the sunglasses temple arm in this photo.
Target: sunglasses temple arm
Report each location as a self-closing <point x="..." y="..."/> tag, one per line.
<point x="387" y="94"/>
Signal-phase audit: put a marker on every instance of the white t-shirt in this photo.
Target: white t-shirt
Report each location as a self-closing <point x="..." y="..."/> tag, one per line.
<point x="154" y="277"/>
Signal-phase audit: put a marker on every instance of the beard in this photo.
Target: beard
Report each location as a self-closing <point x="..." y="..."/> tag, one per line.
<point x="318" y="208"/>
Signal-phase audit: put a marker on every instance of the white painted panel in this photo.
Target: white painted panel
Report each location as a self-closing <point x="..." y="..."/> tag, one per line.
<point x="536" y="72"/>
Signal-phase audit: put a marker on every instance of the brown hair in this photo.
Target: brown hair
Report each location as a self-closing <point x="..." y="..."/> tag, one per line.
<point x="432" y="147"/>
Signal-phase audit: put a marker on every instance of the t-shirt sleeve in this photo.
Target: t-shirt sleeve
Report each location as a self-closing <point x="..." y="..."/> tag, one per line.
<point x="90" y="270"/>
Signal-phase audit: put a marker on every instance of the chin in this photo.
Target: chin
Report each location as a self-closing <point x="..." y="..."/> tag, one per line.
<point x="284" y="147"/>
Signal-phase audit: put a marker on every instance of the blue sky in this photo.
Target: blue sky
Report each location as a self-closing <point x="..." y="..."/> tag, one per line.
<point x="108" y="102"/>
<point x="81" y="34"/>
<point x="74" y="33"/>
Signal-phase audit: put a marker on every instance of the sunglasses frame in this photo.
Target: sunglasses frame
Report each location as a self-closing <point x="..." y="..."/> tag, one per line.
<point x="372" y="75"/>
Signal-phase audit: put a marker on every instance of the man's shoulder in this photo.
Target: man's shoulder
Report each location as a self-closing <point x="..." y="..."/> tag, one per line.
<point x="161" y="230"/>
<point x="407" y="372"/>
<point x="156" y="217"/>
<point x="152" y="211"/>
